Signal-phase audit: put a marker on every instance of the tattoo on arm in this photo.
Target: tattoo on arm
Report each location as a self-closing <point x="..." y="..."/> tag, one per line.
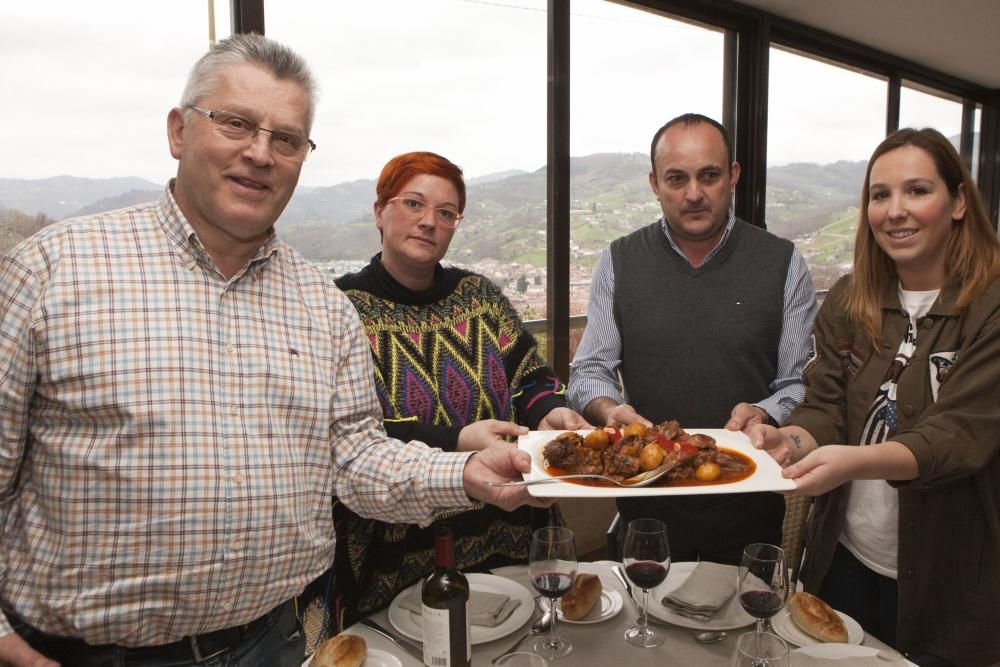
<point x="797" y="441"/>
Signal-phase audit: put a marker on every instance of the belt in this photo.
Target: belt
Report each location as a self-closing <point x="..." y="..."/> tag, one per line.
<point x="196" y="648"/>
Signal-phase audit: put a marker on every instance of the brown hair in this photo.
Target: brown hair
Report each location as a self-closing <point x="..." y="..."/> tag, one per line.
<point x="973" y="248"/>
<point x="399" y="170"/>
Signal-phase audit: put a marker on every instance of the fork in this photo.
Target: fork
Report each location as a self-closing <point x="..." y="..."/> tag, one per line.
<point x="642" y="479"/>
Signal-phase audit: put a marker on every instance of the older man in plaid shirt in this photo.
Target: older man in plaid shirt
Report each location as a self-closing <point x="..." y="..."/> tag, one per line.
<point x="181" y="395"/>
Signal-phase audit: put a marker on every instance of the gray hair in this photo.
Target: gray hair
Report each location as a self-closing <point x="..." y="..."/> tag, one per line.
<point x="250" y="49"/>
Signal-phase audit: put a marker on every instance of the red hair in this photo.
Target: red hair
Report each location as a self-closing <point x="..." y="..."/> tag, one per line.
<point x="398" y="171"/>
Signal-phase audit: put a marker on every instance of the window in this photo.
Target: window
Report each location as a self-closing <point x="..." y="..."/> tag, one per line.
<point x="465" y="80"/>
<point x="824" y="121"/>
<point x="632" y="71"/>
<point x="86" y="101"/>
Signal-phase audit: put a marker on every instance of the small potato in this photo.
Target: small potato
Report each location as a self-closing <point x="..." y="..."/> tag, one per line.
<point x="708" y="472"/>
<point x="637" y="429"/>
<point x="651" y="456"/>
<point x="596" y="439"/>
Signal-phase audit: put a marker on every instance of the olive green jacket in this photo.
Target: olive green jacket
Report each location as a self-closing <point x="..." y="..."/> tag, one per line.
<point x="948" y="415"/>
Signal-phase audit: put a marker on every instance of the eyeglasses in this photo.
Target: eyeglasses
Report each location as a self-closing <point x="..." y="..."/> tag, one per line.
<point x="237" y="128"/>
<point x="416" y="209"/>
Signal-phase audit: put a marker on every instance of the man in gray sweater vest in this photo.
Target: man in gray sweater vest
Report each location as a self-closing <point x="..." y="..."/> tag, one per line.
<point x="699" y="317"/>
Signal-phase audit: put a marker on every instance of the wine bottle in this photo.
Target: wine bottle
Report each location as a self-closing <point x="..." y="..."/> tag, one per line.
<point x="445" y="605"/>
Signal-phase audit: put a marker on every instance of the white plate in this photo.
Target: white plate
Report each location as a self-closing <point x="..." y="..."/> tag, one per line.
<point x="835" y="651"/>
<point x="375" y="658"/>
<point x="730" y="617"/>
<point x="611" y="601"/>
<point x="767" y="476"/>
<point x="410" y="624"/>
<point x="785" y="628"/>
<point x="606" y="607"/>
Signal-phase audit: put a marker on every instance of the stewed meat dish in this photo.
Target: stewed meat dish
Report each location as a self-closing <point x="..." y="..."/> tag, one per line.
<point x="624" y="453"/>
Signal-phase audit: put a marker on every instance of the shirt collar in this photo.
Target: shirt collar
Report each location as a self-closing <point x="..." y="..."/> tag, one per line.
<point x="185" y="240"/>
<point x="730" y="223"/>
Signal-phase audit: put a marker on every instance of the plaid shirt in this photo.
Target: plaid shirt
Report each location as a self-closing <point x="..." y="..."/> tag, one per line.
<point x="171" y="439"/>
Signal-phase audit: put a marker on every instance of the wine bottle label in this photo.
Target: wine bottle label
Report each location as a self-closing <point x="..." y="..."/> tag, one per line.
<point x="438" y="640"/>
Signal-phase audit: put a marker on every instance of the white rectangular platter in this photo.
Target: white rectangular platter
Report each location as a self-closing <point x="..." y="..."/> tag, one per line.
<point x="767" y="476"/>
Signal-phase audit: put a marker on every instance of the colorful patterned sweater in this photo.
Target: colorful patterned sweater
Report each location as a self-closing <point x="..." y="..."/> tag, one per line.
<point x="444" y="358"/>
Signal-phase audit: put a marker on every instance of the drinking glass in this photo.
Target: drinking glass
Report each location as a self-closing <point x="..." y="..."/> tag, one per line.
<point x="763" y="649"/>
<point x="552" y="568"/>
<point x="763" y="583"/>
<point x="647" y="561"/>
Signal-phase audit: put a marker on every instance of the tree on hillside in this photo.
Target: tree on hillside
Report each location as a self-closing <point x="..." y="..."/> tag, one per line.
<point x="16" y="226"/>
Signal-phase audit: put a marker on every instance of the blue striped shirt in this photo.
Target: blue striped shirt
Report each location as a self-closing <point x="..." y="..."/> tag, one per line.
<point x="599" y="356"/>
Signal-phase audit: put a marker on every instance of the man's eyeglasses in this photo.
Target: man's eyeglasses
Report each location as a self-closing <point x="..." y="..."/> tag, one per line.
<point x="416" y="209"/>
<point x="284" y="143"/>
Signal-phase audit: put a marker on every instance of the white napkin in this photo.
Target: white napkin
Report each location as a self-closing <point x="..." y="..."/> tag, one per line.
<point x="704" y="592"/>
<point x="485" y="608"/>
<point x="882" y="659"/>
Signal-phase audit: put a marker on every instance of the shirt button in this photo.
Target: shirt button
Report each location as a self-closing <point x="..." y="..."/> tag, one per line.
<point x="909" y="573"/>
<point x="236" y="545"/>
<point x="908" y="410"/>
<point x="227" y="605"/>
<point x="927" y="323"/>
<point x="237" y="478"/>
<point x="234" y="411"/>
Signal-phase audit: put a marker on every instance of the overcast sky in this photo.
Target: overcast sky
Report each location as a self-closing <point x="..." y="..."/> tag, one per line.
<point x="87" y="95"/>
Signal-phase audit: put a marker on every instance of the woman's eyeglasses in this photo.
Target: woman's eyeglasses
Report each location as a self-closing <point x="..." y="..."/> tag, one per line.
<point x="416" y="209"/>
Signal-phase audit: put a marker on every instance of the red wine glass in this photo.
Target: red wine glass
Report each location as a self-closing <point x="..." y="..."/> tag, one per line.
<point x="763" y="582"/>
<point x="552" y="568"/>
<point x="647" y="561"/>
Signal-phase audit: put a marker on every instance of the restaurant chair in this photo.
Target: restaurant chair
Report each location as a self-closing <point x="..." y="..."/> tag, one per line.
<point x="793" y="533"/>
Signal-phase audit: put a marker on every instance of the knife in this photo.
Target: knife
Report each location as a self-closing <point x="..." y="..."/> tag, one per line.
<point x="413" y="650"/>
<point x="652" y="620"/>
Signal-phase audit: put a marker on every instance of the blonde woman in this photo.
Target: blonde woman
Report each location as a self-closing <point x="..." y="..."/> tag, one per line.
<point x="905" y="536"/>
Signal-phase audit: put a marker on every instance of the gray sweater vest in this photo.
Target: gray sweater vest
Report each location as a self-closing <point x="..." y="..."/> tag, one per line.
<point x="698" y="341"/>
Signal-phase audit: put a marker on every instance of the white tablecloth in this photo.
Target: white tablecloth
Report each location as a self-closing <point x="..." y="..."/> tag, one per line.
<point x="597" y="644"/>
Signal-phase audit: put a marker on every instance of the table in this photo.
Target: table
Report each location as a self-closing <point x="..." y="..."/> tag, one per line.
<point x="598" y="644"/>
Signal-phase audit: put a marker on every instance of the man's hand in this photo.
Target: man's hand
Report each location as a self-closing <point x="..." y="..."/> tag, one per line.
<point x="485" y="432"/>
<point x="744" y="416"/>
<point x="15" y="652"/>
<point x="604" y="411"/>
<point x="499" y="463"/>
<point x="563" y="419"/>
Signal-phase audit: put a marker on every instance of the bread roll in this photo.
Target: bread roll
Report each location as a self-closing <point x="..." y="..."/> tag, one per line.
<point x="341" y="651"/>
<point x="581" y="597"/>
<point x="816" y="618"/>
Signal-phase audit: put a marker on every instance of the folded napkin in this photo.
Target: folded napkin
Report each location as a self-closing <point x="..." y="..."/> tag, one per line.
<point x="485" y="608"/>
<point x="704" y="592"/>
<point x="882" y="659"/>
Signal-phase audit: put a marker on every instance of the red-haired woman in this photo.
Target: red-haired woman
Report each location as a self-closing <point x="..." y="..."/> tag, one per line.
<point x="454" y="367"/>
<point x="906" y="374"/>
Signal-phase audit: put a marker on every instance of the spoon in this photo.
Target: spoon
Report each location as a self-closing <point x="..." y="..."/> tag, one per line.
<point x="709" y="636"/>
<point x="540" y="626"/>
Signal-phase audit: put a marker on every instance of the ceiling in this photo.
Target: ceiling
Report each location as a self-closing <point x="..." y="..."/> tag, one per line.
<point x="957" y="37"/>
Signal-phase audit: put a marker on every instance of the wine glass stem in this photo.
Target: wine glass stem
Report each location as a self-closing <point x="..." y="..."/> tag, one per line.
<point x="552" y="628"/>
<point x="642" y="618"/>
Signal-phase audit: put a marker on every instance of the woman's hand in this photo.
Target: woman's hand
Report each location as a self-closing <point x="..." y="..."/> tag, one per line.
<point x="563" y="419"/>
<point x="485" y="432"/>
<point x="785" y="445"/>
<point x="824" y="469"/>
